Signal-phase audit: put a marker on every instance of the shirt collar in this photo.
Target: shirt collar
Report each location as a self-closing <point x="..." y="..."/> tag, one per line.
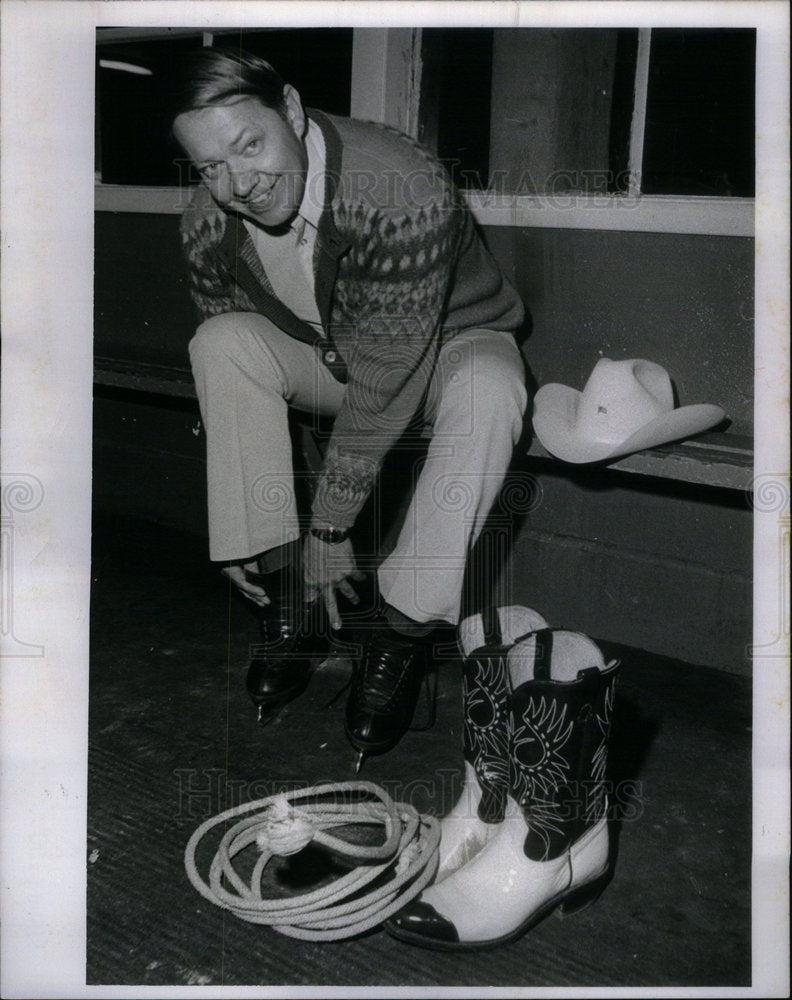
<point x="313" y="197"/>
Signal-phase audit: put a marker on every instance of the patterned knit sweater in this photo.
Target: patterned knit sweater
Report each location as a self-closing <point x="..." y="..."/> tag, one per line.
<point x="399" y="269"/>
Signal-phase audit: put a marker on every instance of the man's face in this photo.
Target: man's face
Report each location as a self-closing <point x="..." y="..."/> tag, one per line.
<point x="252" y="159"/>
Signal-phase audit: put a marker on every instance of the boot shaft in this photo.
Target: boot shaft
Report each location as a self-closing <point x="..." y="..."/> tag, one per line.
<point x="485" y="734"/>
<point x="559" y="726"/>
<point x="485" y="641"/>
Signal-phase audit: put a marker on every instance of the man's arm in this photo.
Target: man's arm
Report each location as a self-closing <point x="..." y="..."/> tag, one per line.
<point x="395" y="304"/>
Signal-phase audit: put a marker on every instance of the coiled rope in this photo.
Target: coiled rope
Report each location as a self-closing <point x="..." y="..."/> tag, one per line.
<point x="281" y="825"/>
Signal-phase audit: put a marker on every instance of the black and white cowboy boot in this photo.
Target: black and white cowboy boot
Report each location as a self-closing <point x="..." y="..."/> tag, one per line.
<point x="552" y="848"/>
<point x="484" y="641"/>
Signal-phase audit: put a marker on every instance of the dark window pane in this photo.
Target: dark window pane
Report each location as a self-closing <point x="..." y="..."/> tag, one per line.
<point x="699" y="136"/>
<point x="135" y="145"/>
<point x="317" y="61"/>
<point x="622" y="106"/>
<point x="455" y="112"/>
<point x="132" y="85"/>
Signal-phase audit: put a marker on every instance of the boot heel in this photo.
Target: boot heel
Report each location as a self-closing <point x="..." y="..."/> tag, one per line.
<point x="585" y="895"/>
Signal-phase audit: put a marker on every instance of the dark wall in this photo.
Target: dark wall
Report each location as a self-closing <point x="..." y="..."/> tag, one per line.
<point x="660" y="566"/>
<point x="142" y="309"/>
<point x="685" y="302"/>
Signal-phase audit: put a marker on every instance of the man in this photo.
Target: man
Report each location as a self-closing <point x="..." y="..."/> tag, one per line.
<point x="338" y="272"/>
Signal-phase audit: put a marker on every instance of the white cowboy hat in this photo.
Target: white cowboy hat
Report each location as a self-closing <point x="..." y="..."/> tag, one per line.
<point x="626" y="406"/>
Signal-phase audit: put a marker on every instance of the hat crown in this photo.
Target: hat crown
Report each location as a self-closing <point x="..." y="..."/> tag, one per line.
<point x="621" y="396"/>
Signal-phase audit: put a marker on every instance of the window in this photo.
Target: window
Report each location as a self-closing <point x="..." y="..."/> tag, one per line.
<point x="700" y="120"/>
<point x="455" y="104"/>
<point x="545" y="111"/>
<point x="632" y="129"/>
<point x="134" y="145"/>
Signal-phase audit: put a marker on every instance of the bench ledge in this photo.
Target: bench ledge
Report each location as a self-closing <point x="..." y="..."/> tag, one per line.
<point x="715" y="458"/>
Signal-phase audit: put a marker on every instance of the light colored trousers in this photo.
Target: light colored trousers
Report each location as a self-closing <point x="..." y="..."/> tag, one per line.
<point x="247" y="375"/>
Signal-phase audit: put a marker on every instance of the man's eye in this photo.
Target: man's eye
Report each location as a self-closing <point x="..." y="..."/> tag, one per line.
<point x="209" y="170"/>
<point x="253" y="146"/>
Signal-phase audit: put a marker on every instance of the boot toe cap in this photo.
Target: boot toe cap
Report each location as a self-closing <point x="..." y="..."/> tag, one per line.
<point x="278" y="681"/>
<point x="420" y="923"/>
<point x="373" y="729"/>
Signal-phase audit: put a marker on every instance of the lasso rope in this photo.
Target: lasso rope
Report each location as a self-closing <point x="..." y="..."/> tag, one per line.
<point x="283" y="824"/>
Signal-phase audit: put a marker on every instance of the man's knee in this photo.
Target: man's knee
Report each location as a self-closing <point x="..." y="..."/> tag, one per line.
<point x="214" y="338"/>
<point x="497" y="382"/>
<point x="504" y="376"/>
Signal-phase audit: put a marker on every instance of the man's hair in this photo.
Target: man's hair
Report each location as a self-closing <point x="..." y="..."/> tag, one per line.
<point x="215" y="76"/>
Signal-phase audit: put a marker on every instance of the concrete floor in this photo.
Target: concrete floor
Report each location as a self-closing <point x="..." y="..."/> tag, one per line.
<point x="173" y="741"/>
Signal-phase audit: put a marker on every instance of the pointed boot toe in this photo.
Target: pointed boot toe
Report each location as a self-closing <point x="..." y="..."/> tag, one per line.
<point x="420" y="923"/>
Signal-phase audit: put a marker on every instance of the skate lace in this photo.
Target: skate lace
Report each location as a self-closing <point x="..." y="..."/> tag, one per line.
<point x="386" y="666"/>
<point x="286" y="624"/>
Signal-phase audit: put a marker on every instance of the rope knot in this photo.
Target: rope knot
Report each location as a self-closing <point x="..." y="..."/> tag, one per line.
<point x="408" y="857"/>
<point x="284" y="830"/>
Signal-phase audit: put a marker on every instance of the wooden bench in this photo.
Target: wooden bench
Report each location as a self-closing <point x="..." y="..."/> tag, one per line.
<point x="715" y="459"/>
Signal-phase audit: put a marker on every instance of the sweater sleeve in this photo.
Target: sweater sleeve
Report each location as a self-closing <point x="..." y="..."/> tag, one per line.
<point x="392" y="290"/>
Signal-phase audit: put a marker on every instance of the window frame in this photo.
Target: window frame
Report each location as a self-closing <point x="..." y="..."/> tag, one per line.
<point x="386" y="84"/>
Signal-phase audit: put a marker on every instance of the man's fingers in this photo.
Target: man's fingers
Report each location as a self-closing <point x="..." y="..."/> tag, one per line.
<point x="348" y="591"/>
<point x="252" y="591"/>
<point x="256" y="594"/>
<point x="332" y="608"/>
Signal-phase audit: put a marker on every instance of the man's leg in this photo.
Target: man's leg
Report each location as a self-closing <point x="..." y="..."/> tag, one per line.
<point x="247" y="375"/>
<point x="477" y="400"/>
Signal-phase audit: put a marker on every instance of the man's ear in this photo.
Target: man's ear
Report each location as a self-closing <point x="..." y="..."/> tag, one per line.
<point x="294" y="111"/>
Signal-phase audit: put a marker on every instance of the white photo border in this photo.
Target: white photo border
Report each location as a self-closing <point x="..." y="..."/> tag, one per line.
<point x="47" y="300"/>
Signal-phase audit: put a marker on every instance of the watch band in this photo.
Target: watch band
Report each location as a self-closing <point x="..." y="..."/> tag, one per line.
<point x="330" y="535"/>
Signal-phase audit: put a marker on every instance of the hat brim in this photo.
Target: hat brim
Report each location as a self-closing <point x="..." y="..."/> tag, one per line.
<point x="555" y="424"/>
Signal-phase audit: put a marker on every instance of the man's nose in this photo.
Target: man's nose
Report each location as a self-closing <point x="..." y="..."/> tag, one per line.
<point x="243" y="181"/>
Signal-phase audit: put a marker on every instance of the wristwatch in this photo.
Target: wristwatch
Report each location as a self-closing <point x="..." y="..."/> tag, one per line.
<point x="330" y="535"/>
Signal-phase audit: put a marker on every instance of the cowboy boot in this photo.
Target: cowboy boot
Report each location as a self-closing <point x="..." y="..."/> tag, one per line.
<point x="484" y="641"/>
<point x="292" y="638"/>
<point x="552" y="848"/>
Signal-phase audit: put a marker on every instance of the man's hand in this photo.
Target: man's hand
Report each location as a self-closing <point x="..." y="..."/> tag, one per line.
<point x="327" y="568"/>
<point x="243" y="577"/>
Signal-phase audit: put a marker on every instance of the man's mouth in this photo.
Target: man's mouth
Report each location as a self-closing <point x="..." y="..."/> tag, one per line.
<point x="262" y="200"/>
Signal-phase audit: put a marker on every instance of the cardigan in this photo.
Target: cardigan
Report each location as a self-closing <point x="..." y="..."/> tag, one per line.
<point x="399" y="270"/>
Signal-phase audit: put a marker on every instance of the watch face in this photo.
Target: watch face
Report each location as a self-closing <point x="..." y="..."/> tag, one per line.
<point x="330" y="535"/>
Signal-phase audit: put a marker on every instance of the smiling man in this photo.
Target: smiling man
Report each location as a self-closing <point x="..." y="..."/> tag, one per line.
<point x="337" y="271"/>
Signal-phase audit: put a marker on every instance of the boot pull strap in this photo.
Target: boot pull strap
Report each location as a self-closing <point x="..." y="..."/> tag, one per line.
<point x="543" y="654"/>
<point x="492" y="630"/>
<point x="589" y="677"/>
